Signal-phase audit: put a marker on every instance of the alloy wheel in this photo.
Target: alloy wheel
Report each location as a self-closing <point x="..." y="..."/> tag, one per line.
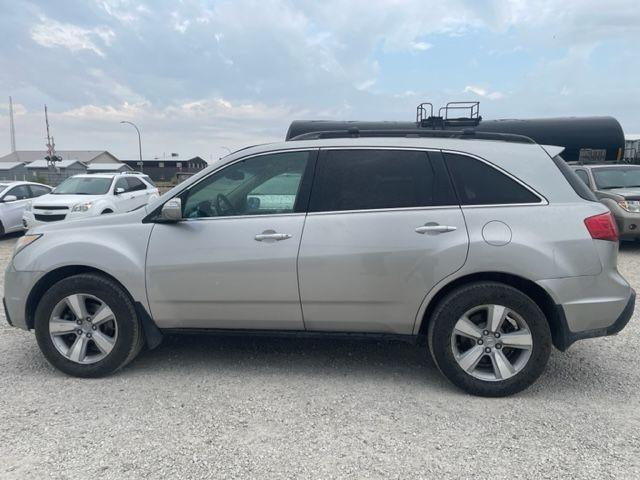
<point x="491" y="342"/>
<point x="83" y="328"/>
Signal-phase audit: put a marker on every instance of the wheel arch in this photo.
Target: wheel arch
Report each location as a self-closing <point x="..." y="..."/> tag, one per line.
<point x="534" y="291"/>
<point x="54" y="276"/>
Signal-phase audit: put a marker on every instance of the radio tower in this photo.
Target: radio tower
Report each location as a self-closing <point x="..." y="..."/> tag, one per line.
<point x="12" y="128"/>
<point x="51" y="157"/>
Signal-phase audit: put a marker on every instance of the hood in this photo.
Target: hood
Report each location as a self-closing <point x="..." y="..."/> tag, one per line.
<point x="50" y="200"/>
<point x="84" y="223"/>
<point x="627" y="193"/>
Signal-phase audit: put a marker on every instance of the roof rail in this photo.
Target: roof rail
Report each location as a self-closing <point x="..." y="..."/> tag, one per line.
<point x="468" y="133"/>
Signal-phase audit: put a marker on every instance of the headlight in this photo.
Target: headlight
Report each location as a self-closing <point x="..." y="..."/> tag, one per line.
<point x="632" y="206"/>
<point x="82" y="207"/>
<point x="25" y="241"/>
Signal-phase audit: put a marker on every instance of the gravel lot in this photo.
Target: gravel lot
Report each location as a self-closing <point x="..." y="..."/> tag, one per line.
<point x="220" y="407"/>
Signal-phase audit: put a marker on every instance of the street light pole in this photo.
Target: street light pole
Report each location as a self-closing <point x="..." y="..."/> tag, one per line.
<point x="139" y="142"/>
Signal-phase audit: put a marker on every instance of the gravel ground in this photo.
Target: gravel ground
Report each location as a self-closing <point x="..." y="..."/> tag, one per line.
<point x="220" y="407"/>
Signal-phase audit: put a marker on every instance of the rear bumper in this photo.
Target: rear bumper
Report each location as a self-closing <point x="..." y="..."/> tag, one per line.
<point x="564" y="338"/>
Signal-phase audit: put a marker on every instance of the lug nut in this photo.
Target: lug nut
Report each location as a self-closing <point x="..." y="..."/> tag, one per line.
<point x="497" y="335"/>
<point x="88" y="335"/>
<point x="94" y="327"/>
<point x="499" y="346"/>
<point x="487" y="350"/>
<point x="79" y="331"/>
<point x="79" y="322"/>
<point x="480" y="342"/>
<point x="485" y="333"/>
<point x="88" y="319"/>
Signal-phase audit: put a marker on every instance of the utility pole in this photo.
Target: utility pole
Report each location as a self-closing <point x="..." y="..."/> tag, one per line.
<point x="51" y="157"/>
<point x="12" y="128"/>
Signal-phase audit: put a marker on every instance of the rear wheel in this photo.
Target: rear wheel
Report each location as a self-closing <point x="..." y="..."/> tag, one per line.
<point x="86" y="326"/>
<point x="489" y="339"/>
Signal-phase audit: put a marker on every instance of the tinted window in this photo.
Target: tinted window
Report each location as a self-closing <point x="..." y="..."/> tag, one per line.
<point x="20" y="192"/>
<point x="268" y="184"/>
<point x="37" y="190"/>
<point x="135" y="184"/>
<point x="583" y="175"/>
<point x="371" y="179"/>
<point x="121" y="183"/>
<point x="480" y="184"/>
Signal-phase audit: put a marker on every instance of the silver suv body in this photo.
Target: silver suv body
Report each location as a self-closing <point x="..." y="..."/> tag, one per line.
<point x="484" y="246"/>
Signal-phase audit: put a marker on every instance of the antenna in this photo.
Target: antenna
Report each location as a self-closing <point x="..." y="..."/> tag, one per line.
<point x="12" y="128"/>
<point x="51" y="157"/>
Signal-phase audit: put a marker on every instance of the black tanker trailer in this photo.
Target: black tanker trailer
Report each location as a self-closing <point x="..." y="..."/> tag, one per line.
<point x="585" y="139"/>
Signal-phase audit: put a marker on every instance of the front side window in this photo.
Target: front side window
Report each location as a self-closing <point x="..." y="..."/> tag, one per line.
<point x="83" y="186"/>
<point x="480" y="184"/>
<point x="123" y="184"/>
<point x="135" y="184"/>
<point x="378" y="179"/>
<point x="263" y="185"/>
<point x="617" y="177"/>
<point x="20" y="192"/>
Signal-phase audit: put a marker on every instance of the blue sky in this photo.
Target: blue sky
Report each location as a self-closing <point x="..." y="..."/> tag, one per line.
<point x="197" y="76"/>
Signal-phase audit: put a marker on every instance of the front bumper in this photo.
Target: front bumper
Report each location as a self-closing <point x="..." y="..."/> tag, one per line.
<point x="29" y="220"/>
<point x="17" y="286"/>
<point x="628" y="224"/>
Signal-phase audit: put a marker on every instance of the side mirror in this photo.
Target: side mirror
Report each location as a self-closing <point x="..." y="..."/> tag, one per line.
<point x="171" y="211"/>
<point x="9" y="198"/>
<point x="119" y="190"/>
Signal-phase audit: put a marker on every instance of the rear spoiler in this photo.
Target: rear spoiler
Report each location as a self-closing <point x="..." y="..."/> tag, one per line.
<point x="552" y="150"/>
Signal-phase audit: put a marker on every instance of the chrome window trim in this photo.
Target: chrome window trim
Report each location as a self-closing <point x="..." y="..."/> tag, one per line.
<point x="231" y="217"/>
<point x="384" y="210"/>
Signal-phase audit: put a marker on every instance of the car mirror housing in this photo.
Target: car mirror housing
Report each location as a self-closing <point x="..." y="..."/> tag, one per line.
<point x="171" y="211"/>
<point x="119" y="190"/>
<point x="9" y="198"/>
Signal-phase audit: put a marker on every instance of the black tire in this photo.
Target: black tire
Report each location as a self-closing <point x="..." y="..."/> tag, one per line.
<point x="465" y="298"/>
<point x="106" y="211"/>
<point x="1" y="230"/>
<point x="130" y="338"/>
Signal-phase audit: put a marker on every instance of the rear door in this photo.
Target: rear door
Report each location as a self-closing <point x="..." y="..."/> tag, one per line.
<point x="383" y="228"/>
<point x="138" y="192"/>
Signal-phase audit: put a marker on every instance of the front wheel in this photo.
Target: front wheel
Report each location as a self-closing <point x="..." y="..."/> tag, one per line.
<point x="489" y="339"/>
<point x="86" y="326"/>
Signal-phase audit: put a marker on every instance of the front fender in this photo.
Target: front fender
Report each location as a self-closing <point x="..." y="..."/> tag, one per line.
<point x="118" y="250"/>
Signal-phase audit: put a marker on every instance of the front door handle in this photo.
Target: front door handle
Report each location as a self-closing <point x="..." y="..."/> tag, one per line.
<point x="435" y="228"/>
<point x="271" y="236"/>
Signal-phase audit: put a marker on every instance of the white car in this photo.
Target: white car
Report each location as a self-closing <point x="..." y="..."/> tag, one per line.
<point x="14" y="197"/>
<point x="89" y="195"/>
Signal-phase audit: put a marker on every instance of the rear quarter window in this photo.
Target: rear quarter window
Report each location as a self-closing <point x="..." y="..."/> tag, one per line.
<point x="578" y="185"/>
<point x="478" y="183"/>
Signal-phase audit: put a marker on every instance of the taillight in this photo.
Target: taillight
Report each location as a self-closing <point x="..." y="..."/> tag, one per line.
<point x="602" y="227"/>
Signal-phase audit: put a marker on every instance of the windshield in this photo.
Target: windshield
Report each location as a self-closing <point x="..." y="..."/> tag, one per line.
<point x="83" y="186"/>
<point x="616" y="177"/>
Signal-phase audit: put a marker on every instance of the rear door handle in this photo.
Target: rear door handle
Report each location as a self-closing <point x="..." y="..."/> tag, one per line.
<point x="434" y="228"/>
<point x="271" y="236"/>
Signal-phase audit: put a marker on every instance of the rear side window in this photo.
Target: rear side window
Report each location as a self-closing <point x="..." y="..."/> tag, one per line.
<point x="375" y="179"/>
<point x="582" y="174"/>
<point x="480" y="184"/>
<point x="578" y="185"/>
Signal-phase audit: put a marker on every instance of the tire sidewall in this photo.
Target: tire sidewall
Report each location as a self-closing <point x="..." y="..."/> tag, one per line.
<point x="115" y="299"/>
<point x="461" y="301"/>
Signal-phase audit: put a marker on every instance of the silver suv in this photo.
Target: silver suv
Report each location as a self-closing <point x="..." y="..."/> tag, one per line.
<point x="482" y="243"/>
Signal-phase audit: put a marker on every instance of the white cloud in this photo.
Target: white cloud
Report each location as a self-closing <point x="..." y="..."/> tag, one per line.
<point x="483" y="92"/>
<point x="421" y="46"/>
<point x="50" y="33"/>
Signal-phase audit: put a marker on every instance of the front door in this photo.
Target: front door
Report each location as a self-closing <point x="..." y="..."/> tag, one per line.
<point x="384" y="227"/>
<point x="12" y="211"/>
<point x="232" y="262"/>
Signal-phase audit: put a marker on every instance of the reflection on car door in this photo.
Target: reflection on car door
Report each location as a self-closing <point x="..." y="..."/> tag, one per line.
<point x="138" y="192"/>
<point x="383" y="229"/>
<point x="232" y="262"/>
